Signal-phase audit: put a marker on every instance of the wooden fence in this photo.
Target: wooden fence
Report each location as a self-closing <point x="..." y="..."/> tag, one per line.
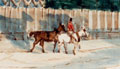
<point x="14" y="21"/>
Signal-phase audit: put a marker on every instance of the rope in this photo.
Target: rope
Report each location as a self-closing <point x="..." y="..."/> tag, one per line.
<point x="5" y="2"/>
<point x="27" y="3"/>
<point x="35" y="3"/>
<point x="16" y="3"/>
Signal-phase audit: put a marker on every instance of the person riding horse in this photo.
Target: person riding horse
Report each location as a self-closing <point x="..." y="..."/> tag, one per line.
<point x="70" y="29"/>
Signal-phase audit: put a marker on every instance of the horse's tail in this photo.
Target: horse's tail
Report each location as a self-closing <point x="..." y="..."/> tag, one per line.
<point x="31" y="33"/>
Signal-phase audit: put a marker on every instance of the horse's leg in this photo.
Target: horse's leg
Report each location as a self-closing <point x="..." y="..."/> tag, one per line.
<point x="74" y="49"/>
<point x="59" y="44"/>
<point x="79" y="45"/>
<point x="54" y="46"/>
<point x="35" y="42"/>
<point x="42" y="45"/>
<point x="65" y="49"/>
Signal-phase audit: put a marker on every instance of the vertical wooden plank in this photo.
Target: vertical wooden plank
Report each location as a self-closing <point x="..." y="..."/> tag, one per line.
<point x="17" y="19"/>
<point x="13" y="20"/>
<point x="24" y="19"/>
<point x="83" y="17"/>
<point x="102" y="19"/>
<point x="49" y="20"/>
<point x="27" y="23"/>
<point x="20" y="19"/>
<point x="30" y="23"/>
<point x="52" y="19"/>
<point x="83" y="14"/>
<point x="109" y="21"/>
<point x="113" y="21"/>
<point x="78" y="13"/>
<point x="119" y="20"/>
<point x="55" y="22"/>
<point x="98" y="20"/>
<point x="116" y="20"/>
<point x="75" y="25"/>
<point x="59" y="16"/>
<point x="86" y="18"/>
<point x="11" y="13"/>
<point x="90" y="20"/>
<point x="62" y="16"/>
<point x="39" y="18"/>
<point x="75" y="17"/>
<point x="42" y="19"/>
<point x="45" y="18"/>
<point x="2" y="19"/>
<point x="105" y="21"/>
<point x="94" y="20"/>
<point x="42" y="13"/>
<point x="8" y="23"/>
<point x="66" y="17"/>
<point x="18" y="29"/>
<point x="72" y="13"/>
<point x="36" y="21"/>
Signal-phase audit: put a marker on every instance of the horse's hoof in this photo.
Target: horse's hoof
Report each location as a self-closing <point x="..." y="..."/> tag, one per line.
<point x="53" y="51"/>
<point x="58" y="51"/>
<point x="66" y="52"/>
<point x="29" y="51"/>
<point x="43" y="51"/>
<point x="79" y="47"/>
<point x="74" y="52"/>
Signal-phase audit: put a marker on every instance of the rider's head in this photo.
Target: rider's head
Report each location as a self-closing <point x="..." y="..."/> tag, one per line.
<point x="70" y="19"/>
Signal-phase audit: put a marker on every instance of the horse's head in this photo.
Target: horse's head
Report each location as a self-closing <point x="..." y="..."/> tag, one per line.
<point x="83" y="32"/>
<point x="61" y="28"/>
<point x="55" y="30"/>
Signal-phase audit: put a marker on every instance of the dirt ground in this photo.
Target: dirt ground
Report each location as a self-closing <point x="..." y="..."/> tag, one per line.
<point x="94" y="54"/>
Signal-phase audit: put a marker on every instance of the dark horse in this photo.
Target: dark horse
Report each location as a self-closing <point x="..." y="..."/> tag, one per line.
<point x="48" y="36"/>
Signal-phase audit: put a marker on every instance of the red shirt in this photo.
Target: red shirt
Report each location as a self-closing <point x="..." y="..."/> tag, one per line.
<point x="70" y="26"/>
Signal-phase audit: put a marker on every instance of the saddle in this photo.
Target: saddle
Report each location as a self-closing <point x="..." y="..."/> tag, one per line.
<point x="72" y="38"/>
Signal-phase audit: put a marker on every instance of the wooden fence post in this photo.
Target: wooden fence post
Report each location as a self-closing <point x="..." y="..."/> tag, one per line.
<point x="105" y="21"/>
<point x="119" y="21"/>
<point x="90" y="20"/>
<point x="113" y="20"/>
<point x="36" y="22"/>
<point x="98" y="20"/>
